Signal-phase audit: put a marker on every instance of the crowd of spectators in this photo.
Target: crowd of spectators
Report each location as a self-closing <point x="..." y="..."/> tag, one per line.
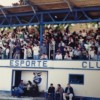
<point x="24" y="43"/>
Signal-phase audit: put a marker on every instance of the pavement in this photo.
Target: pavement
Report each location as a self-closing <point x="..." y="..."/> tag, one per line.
<point x="21" y="98"/>
<point x="7" y="96"/>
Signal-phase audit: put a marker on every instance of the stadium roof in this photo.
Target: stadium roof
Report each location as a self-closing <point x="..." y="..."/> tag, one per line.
<point x="41" y="5"/>
<point x="63" y="4"/>
<point x="54" y="11"/>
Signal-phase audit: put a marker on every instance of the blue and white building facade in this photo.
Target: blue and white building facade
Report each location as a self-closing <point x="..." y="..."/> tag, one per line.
<point x="83" y="75"/>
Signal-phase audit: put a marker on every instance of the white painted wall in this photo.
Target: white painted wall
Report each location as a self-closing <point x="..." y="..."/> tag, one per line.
<point x="5" y="79"/>
<point x="91" y="87"/>
<point x="4" y="63"/>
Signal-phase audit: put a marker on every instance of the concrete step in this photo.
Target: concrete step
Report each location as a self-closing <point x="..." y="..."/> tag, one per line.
<point x="21" y="98"/>
<point x="7" y="96"/>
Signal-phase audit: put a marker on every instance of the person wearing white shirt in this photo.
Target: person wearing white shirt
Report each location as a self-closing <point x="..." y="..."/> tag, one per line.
<point x="25" y="52"/>
<point x="28" y="53"/>
<point x="36" y="50"/>
<point x="99" y="49"/>
<point x="44" y="56"/>
<point x="84" y="33"/>
<point x="92" y="52"/>
<point x="58" y="56"/>
<point x="67" y="56"/>
<point x="61" y="44"/>
<point x="76" y="53"/>
<point x="6" y="52"/>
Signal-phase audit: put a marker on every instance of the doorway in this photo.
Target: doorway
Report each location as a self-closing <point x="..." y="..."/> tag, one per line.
<point x="41" y="77"/>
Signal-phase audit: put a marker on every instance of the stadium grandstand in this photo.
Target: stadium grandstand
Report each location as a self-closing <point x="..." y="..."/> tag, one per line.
<point x="51" y="41"/>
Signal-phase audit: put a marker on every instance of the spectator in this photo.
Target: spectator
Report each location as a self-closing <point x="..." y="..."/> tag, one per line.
<point x="78" y="44"/>
<point x="51" y="91"/>
<point x="44" y="56"/>
<point x="67" y="56"/>
<point x="29" y="88"/>
<point x="28" y="52"/>
<point x="35" y="90"/>
<point x="95" y="57"/>
<point x="58" y="56"/>
<point x="17" y="50"/>
<point x="6" y="52"/>
<point x="69" y="93"/>
<point x="84" y="33"/>
<point x="43" y="49"/>
<point x="52" y="48"/>
<point x="25" y="52"/>
<point x="59" y="92"/>
<point x="36" y="50"/>
<point x="18" y="91"/>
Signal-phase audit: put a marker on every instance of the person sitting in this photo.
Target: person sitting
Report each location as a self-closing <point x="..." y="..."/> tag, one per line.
<point x="43" y="57"/>
<point x="13" y="89"/>
<point x="35" y="90"/>
<point x="59" y="92"/>
<point x="18" y="91"/>
<point x="67" y="56"/>
<point x="51" y="91"/>
<point x="29" y="88"/>
<point x="58" y="56"/>
<point x="69" y="93"/>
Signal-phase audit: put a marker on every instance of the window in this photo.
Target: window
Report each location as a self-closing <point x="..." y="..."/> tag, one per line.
<point x="76" y="79"/>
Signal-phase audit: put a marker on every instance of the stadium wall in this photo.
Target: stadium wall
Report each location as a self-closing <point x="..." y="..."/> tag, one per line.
<point x="58" y="74"/>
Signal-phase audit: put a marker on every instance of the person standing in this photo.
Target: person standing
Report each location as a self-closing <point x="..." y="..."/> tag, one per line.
<point x="36" y="50"/>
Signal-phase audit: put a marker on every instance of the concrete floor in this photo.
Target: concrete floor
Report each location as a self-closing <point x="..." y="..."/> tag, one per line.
<point x="9" y="97"/>
<point x="22" y="98"/>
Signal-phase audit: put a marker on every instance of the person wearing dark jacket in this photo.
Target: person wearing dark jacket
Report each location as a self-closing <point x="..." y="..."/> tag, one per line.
<point x="69" y="93"/>
<point x="51" y="91"/>
<point x="59" y="92"/>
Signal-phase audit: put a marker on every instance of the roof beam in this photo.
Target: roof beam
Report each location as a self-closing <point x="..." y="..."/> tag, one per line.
<point x="3" y="12"/>
<point x="86" y="15"/>
<point x="69" y="5"/>
<point x="32" y="6"/>
<point x="33" y="9"/>
<point x="62" y="19"/>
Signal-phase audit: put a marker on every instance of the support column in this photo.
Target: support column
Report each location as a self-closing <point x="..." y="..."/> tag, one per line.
<point x="41" y="34"/>
<point x="41" y="30"/>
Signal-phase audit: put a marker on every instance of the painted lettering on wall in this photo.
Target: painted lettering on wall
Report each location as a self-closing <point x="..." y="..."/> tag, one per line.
<point x="28" y="63"/>
<point x="91" y="65"/>
<point x="55" y="64"/>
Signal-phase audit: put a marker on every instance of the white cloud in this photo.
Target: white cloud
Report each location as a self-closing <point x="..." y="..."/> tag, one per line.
<point x="8" y="2"/>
